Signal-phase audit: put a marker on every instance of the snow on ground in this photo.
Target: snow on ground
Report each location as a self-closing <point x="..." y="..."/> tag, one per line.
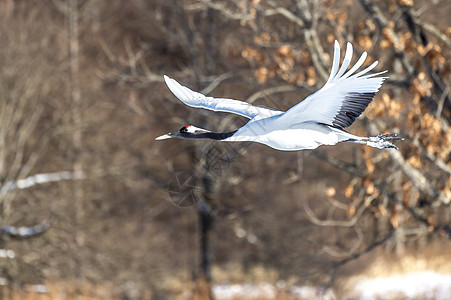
<point x="418" y="285"/>
<point x="267" y="291"/>
<point x="244" y="291"/>
<point x="427" y="285"/>
<point x="310" y="292"/>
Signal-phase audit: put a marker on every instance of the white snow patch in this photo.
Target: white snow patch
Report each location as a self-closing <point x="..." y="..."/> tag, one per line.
<point x="311" y="292"/>
<point x="244" y="291"/>
<point x="268" y="291"/>
<point x="7" y="254"/>
<point x="427" y="285"/>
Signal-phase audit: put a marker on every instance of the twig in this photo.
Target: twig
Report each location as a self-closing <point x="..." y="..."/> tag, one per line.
<point x="357" y="244"/>
<point x="24" y="232"/>
<point x="355" y="256"/>
<point x="270" y="91"/>
<point x="433" y="30"/>
<point x="418" y="179"/>
<point x="334" y="223"/>
<point x="350" y="168"/>
<point x="435" y="228"/>
<point x="40" y="179"/>
<point x="216" y="81"/>
<point x="438" y="162"/>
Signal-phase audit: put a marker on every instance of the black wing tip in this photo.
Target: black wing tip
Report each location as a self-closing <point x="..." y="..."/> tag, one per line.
<point x="353" y="106"/>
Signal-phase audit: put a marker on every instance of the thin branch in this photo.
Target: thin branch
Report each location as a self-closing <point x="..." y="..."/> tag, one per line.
<point x="434" y="228"/>
<point x="437" y="161"/>
<point x="25" y="232"/>
<point x="433" y="30"/>
<point x="350" y="168"/>
<point x="284" y="12"/>
<point x="415" y="176"/>
<point x="332" y="252"/>
<point x="217" y="80"/>
<point x="41" y="178"/>
<point x="270" y="91"/>
<point x="337" y="203"/>
<point x="357" y="255"/>
<point x="242" y="17"/>
<point x="334" y="223"/>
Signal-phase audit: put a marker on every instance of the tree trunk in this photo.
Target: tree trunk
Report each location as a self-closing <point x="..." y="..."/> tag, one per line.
<point x="77" y="140"/>
<point x="206" y="220"/>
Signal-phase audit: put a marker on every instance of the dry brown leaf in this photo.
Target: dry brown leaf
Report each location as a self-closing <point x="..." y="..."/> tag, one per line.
<point x="251" y="54"/>
<point x="330" y="16"/>
<point x="370" y="24"/>
<point x="433" y="125"/>
<point x="384" y="43"/>
<point x="414" y="161"/>
<point x="350" y="211"/>
<point x="370" y="166"/>
<point x="394" y="220"/>
<point x="447" y="192"/>
<point x="262" y="38"/>
<point x="432" y="223"/>
<point x="311" y="76"/>
<point x="330" y="191"/>
<point x="330" y="38"/>
<point x="406" y="2"/>
<point x="341" y="18"/>
<point x="300" y="78"/>
<point x="365" y="42"/>
<point x="261" y="74"/>
<point x="370" y="189"/>
<point x="349" y="191"/>
<point x="382" y="210"/>
<point x="422" y="85"/>
<point x="285" y="50"/>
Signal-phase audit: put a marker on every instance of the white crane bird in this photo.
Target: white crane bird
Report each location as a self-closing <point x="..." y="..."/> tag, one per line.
<point x="318" y="120"/>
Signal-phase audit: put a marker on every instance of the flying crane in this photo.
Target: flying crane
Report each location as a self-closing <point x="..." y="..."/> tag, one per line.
<point x="318" y="120"/>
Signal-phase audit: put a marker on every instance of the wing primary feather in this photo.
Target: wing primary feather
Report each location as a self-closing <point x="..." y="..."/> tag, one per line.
<point x="372" y="66"/>
<point x="374" y="75"/>
<point x="335" y="62"/>
<point x="346" y="60"/>
<point x="356" y="66"/>
<point x="352" y="107"/>
<point x="344" y="96"/>
<point x="185" y="93"/>
<point x="176" y="88"/>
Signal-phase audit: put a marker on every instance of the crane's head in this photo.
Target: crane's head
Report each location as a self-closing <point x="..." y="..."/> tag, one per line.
<point x="186" y="132"/>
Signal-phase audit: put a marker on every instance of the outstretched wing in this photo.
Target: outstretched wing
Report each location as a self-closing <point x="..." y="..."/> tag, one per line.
<point x="195" y="99"/>
<point x="344" y="96"/>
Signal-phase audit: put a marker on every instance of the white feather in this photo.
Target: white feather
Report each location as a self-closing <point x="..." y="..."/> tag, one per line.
<point x="346" y="60"/>
<point x="324" y="105"/>
<point x="195" y="99"/>
<point x="335" y="61"/>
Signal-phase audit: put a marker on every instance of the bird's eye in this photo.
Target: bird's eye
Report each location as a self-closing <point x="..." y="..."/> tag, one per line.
<point x="183" y="129"/>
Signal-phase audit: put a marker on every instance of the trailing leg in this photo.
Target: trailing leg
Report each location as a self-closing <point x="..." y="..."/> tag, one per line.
<point x="381" y="141"/>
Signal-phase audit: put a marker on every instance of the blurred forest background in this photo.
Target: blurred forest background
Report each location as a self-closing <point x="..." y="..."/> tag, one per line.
<point x="91" y="205"/>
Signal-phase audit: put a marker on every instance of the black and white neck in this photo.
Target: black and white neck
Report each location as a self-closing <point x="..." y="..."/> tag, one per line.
<point x="193" y="132"/>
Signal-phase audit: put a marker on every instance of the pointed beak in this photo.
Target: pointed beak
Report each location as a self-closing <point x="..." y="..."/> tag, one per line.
<point x="167" y="136"/>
